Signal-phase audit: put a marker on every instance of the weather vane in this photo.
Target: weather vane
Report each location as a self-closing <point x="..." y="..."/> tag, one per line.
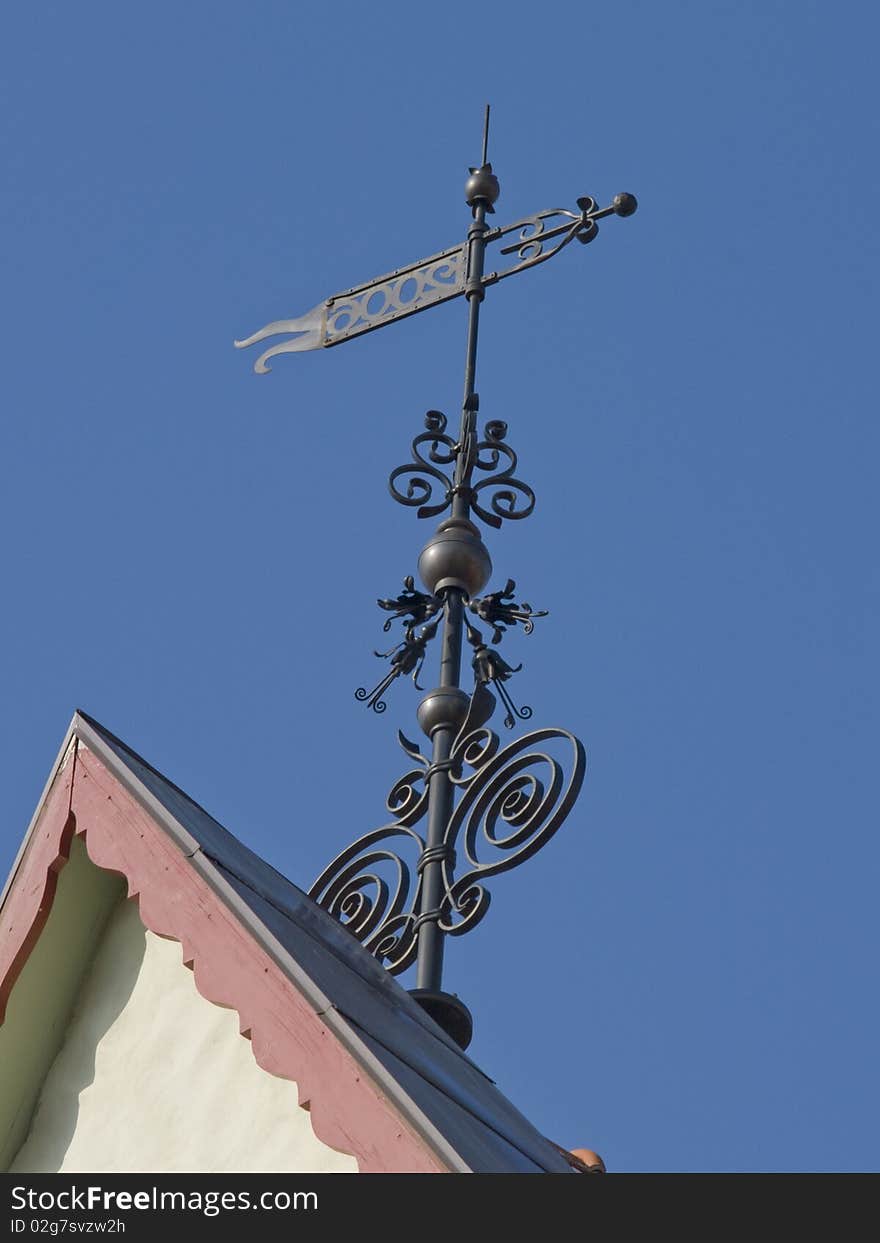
<point x="486" y="808"/>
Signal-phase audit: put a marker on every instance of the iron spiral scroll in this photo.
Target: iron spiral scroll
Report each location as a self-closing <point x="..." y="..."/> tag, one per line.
<point x="512" y="801"/>
<point x="498" y="497"/>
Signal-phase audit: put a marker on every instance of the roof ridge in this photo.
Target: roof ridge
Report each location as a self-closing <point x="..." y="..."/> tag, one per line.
<point x="102" y="729"/>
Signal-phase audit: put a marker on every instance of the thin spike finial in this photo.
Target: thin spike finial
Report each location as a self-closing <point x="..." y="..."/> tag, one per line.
<point x="486" y="135"/>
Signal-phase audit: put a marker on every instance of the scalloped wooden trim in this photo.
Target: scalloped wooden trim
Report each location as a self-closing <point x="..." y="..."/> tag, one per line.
<point x="348" y="1112"/>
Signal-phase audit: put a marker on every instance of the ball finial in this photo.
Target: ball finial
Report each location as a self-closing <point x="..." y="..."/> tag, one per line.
<point x="624" y="204"/>
<point x="482" y="187"/>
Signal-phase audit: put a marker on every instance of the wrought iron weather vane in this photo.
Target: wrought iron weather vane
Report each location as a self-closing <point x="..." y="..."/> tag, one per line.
<point x="486" y="808"/>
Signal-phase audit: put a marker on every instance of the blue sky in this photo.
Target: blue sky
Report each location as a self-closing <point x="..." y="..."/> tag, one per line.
<point x="685" y="978"/>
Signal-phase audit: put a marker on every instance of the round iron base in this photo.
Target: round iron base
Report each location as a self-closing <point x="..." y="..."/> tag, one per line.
<point x="447" y="1012"/>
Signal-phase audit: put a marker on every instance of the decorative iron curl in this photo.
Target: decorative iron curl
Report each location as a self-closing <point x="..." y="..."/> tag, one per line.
<point x="513" y="713"/>
<point x="370" y="888"/>
<point x="474" y="749"/>
<point x="508" y="497"/>
<point x="380" y="915"/>
<point x="531" y="247"/>
<point x="513" y="801"/>
<point x="512" y="805"/>
<point x="533" y="235"/>
<point x="405" y="802"/>
<point x="423" y="475"/>
<point x="373" y="699"/>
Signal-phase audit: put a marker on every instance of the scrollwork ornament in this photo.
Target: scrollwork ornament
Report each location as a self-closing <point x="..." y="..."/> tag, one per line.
<point x="378" y="911"/>
<point x="370" y="887"/>
<point x="508" y="497"/>
<point x="423" y="476"/>
<point x="513" y="800"/>
<point x="512" y="805"/>
<point x="531" y="246"/>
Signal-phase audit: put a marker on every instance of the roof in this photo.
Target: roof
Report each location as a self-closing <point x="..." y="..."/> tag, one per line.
<point x="192" y="876"/>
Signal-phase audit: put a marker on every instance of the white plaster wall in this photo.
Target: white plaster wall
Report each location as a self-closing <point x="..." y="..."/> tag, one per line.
<point x="40" y="1005"/>
<point x="153" y="1078"/>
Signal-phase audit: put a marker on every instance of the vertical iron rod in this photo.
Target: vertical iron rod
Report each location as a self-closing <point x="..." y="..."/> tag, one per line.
<point x="430" y="953"/>
<point x="430" y="946"/>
